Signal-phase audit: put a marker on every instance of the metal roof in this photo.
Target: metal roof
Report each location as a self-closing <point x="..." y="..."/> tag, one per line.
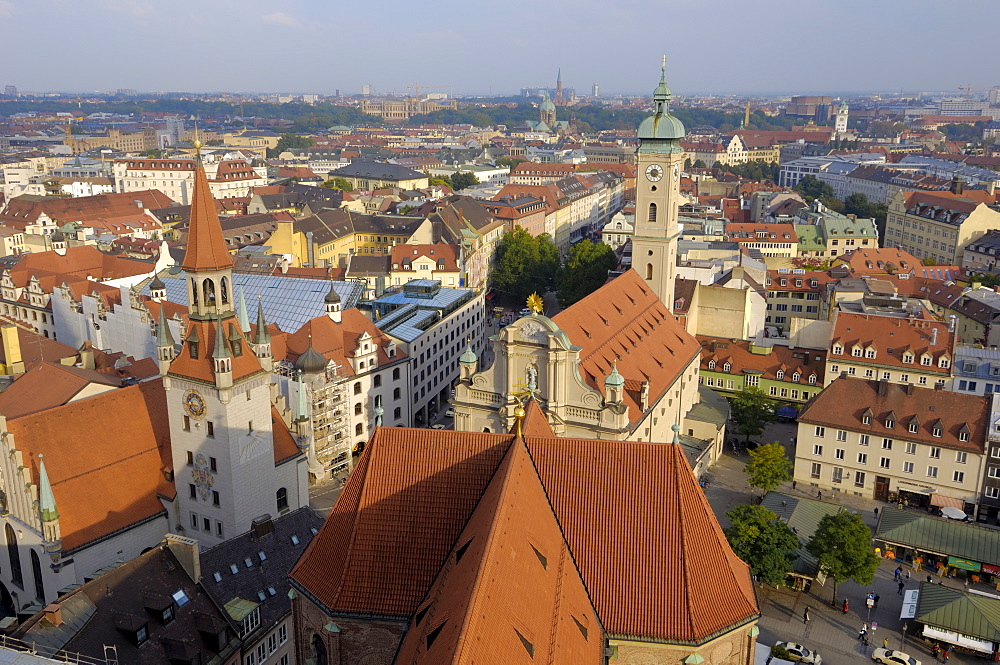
<point x="288" y="301"/>
<point x="968" y="614"/>
<point x="939" y="535"/>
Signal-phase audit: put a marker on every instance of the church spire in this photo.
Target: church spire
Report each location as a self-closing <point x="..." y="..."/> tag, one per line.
<point x="206" y="247"/>
<point x="46" y="499"/>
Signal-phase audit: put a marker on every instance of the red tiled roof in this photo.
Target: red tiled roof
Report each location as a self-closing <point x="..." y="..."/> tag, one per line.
<point x="891" y="337"/>
<point x="625" y="321"/>
<point x="805" y="362"/>
<point x="47" y="385"/>
<point x="206" y="245"/>
<point x="846" y="401"/>
<point x="415" y="491"/>
<point x="107" y="473"/>
<point x="202" y="367"/>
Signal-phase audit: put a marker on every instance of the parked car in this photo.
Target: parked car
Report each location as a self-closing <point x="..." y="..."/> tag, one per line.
<point x="450" y="413"/>
<point x="437" y="426"/>
<point x="890" y="657"/>
<point x="799" y="653"/>
<point x="525" y="311"/>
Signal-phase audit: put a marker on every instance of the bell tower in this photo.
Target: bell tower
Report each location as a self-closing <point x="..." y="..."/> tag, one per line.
<point x="660" y="159"/>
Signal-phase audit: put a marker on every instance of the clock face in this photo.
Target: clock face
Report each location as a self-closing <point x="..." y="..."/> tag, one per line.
<point x="194" y="404"/>
<point x="654" y="172"/>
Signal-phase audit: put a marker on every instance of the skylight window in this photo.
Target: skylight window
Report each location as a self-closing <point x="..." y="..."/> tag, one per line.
<point x="295" y="539"/>
<point x="262" y="556"/>
<point x="272" y="591"/>
<point x="233" y="568"/>
<point x="249" y="562"/>
<point x="181" y="598"/>
<point x="217" y="576"/>
<point x="262" y="596"/>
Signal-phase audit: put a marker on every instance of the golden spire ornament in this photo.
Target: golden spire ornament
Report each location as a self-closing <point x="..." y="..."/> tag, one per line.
<point x="535" y="303"/>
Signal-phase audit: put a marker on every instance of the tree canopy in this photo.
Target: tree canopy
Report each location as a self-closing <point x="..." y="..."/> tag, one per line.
<point x="289" y="141"/>
<point x="751" y="410"/>
<point x="755" y="170"/>
<point x="768" y="467"/>
<point x="842" y="546"/>
<point x="462" y="180"/>
<point x="764" y="542"/>
<point x="524" y="264"/>
<point x="811" y="188"/>
<point x="585" y="270"/>
<point x="339" y="183"/>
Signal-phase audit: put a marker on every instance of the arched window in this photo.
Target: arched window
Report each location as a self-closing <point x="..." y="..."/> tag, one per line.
<point x="395" y="393"/>
<point x="357" y="387"/>
<point x="649" y="271"/>
<point x="282" y="499"/>
<point x="224" y="284"/>
<point x="14" y="555"/>
<point x="194" y="290"/>
<point x="36" y="571"/>
<point x="319" y="650"/>
<point x="357" y="409"/>
<point x="208" y="286"/>
<point x="359" y="429"/>
<point x="652" y="212"/>
<point x="486" y="429"/>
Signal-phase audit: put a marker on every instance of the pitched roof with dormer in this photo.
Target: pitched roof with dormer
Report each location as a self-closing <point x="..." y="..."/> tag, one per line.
<point x="777" y="362"/>
<point x="896" y="342"/>
<point x="398" y="528"/>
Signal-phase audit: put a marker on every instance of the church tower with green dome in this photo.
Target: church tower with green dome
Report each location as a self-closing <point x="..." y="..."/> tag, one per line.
<point x="654" y="243"/>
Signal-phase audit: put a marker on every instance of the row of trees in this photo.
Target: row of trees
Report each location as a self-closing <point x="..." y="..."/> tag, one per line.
<point x="842" y="542"/>
<point x="525" y="264"/>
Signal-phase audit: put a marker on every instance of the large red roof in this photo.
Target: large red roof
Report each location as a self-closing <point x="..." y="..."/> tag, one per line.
<point x="206" y="245"/>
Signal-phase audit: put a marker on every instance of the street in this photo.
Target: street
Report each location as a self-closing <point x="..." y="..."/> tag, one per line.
<point x="830" y="632"/>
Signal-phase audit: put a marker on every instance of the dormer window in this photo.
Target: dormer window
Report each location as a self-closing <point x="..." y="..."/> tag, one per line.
<point x="711" y="364"/>
<point x="866" y="417"/>
<point x="837" y="349"/>
<point x="925" y="360"/>
<point x="857" y="351"/>
<point x="963" y="436"/>
<point x="812" y="379"/>
<point x="726" y="367"/>
<point x="912" y="428"/>
<point x="780" y="374"/>
<point x="889" y="423"/>
<point x="944" y="362"/>
<point x="870" y="352"/>
<point x="796" y="377"/>
<point x="907" y="357"/>
<point x="936" y="431"/>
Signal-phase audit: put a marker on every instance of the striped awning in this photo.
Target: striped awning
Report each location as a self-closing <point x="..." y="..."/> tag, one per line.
<point x="942" y="501"/>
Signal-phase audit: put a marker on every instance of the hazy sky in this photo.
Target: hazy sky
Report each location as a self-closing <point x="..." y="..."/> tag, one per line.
<point x="478" y="47"/>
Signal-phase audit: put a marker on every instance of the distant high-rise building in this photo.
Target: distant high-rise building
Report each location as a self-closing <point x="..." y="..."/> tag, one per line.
<point x="595" y="91"/>
<point x="366" y="90"/>
<point x="841" y="121"/>
<point x="994" y="96"/>
<point x="811" y="107"/>
<point x="10" y="91"/>
<point x="127" y="92"/>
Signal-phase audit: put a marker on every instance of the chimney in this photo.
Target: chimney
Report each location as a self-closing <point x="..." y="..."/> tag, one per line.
<point x="952" y="323"/>
<point x="938" y="386"/>
<point x="187" y="553"/>
<point x="53" y="614"/>
<point x="261" y="526"/>
<point x="11" y="349"/>
<point x="883" y="387"/>
<point x="934" y="332"/>
<point x="909" y="388"/>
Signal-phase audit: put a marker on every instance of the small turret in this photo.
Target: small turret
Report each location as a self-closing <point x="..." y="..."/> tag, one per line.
<point x="614" y="385"/>
<point x="241" y="311"/>
<point x="157" y="289"/>
<point x="468" y="361"/>
<point x="223" y="359"/>
<point x="165" y="350"/>
<point x="48" y="513"/>
<point x="332" y="304"/>
<point x="262" y="340"/>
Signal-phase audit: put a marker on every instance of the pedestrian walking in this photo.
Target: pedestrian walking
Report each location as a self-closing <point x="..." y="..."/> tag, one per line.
<point x="876" y="600"/>
<point x="819" y="494"/>
<point x="907" y="576"/>
<point x="793" y="484"/>
<point x="902" y="585"/>
<point x="805" y="616"/>
<point x="885" y="643"/>
<point x="846" y="606"/>
<point x="945" y="655"/>
<point x="863" y="632"/>
<point x="896" y="573"/>
<point x="936" y="650"/>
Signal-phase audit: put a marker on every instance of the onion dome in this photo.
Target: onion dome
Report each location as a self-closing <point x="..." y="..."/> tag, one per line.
<point x="157" y="284"/>
<point x="311" y="362"/>
<point x="469" y="357"/>
<point x="661" y="126"/>
<point x="614" y="380"/>
<point x="331" y="296"/>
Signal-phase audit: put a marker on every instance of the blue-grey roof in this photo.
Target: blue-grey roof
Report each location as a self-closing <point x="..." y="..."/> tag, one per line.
<point x="288" y="301"/>
<point x="406" y="316"/>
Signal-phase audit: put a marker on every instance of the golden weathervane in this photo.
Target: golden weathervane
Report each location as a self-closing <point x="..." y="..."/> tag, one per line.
<point x="535" y="303"/>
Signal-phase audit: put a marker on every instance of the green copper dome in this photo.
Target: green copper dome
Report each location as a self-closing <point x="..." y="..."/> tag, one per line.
<point x="547" y="104"/>
<point x="661" y="126"/>
<point x="469" y="357"/>
<point x="614" y="380"/>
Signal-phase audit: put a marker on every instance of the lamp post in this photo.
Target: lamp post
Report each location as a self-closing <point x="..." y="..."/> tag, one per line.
<point x="902" y="639"/>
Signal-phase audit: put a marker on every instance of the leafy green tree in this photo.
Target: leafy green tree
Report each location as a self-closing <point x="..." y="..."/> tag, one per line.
<point x="154" y="154"/>
<point x="751" y="410"/>
<point x="687" y="163"/>
<point x="858" y="204"/>
<point x="523" y="264"/>
<point x="289" y="141"/>
<point x="508" y="162"/>
<point x="342" y="184"/>
<point x="929" y="261"/>
<point x="768" y="467"/>
<point x="440" y="180"/>
<point x="764" y="542"/>
<point x="812" y="188"/>
<point x="842" y="546"/>
<point x="699" y="164"/>
<point x="986" y="279"/>
<point x="463" y="180"/>
<point x="586" y="269"/>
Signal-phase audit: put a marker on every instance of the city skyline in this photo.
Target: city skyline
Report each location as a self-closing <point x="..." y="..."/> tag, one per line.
<point x="712" y="47"/>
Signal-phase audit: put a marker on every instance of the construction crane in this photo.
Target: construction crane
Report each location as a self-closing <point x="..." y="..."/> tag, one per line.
<point x="969" y="89"/>
<point x="416" y="88"/>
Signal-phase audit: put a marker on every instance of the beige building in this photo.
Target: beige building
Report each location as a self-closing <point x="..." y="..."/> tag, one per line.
<point x="227" y="178"/>
<point x="938" y="225"/>
<point x="885" y="441"/>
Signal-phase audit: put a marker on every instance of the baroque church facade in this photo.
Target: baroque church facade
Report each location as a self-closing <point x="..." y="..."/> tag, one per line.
<point x="617" y="364"/>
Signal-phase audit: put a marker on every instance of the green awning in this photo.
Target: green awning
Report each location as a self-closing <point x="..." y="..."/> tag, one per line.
<point x="964" y="564"/>
<point x="938" y="536"/>
<point x="951" y="609"/>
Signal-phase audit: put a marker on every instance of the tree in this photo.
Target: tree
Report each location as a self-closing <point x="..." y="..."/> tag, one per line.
<point x="811" y="188"/>
<point x="842" y="546"/>
<point x="768" y="467"/>
<point x="929" y="261"/>
<point x="586" y="269"/>
<point x="858" y="204"/>
<point x="752" y="410"/>
<point x="463" y="180"/>
<point x="509" y="162"/>
<point x="342" y="184"/>
<point x="687" y="164"/>
<point x="524" y="264"/>
<point x="440" y="180"/>
<point x="764" y="542"/>
<point x="699" y="164"/>
<point x="289" y="141"/>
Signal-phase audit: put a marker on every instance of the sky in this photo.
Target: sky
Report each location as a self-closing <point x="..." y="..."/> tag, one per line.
<point x="477" y="47"/>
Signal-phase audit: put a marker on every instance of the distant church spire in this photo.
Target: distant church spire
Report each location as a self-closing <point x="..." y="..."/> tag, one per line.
<point x="559" y="87"/>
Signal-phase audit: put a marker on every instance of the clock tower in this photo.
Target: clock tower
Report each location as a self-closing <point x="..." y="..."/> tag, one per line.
<point x="654" y="243"/>
<point x="218" y="391"/>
